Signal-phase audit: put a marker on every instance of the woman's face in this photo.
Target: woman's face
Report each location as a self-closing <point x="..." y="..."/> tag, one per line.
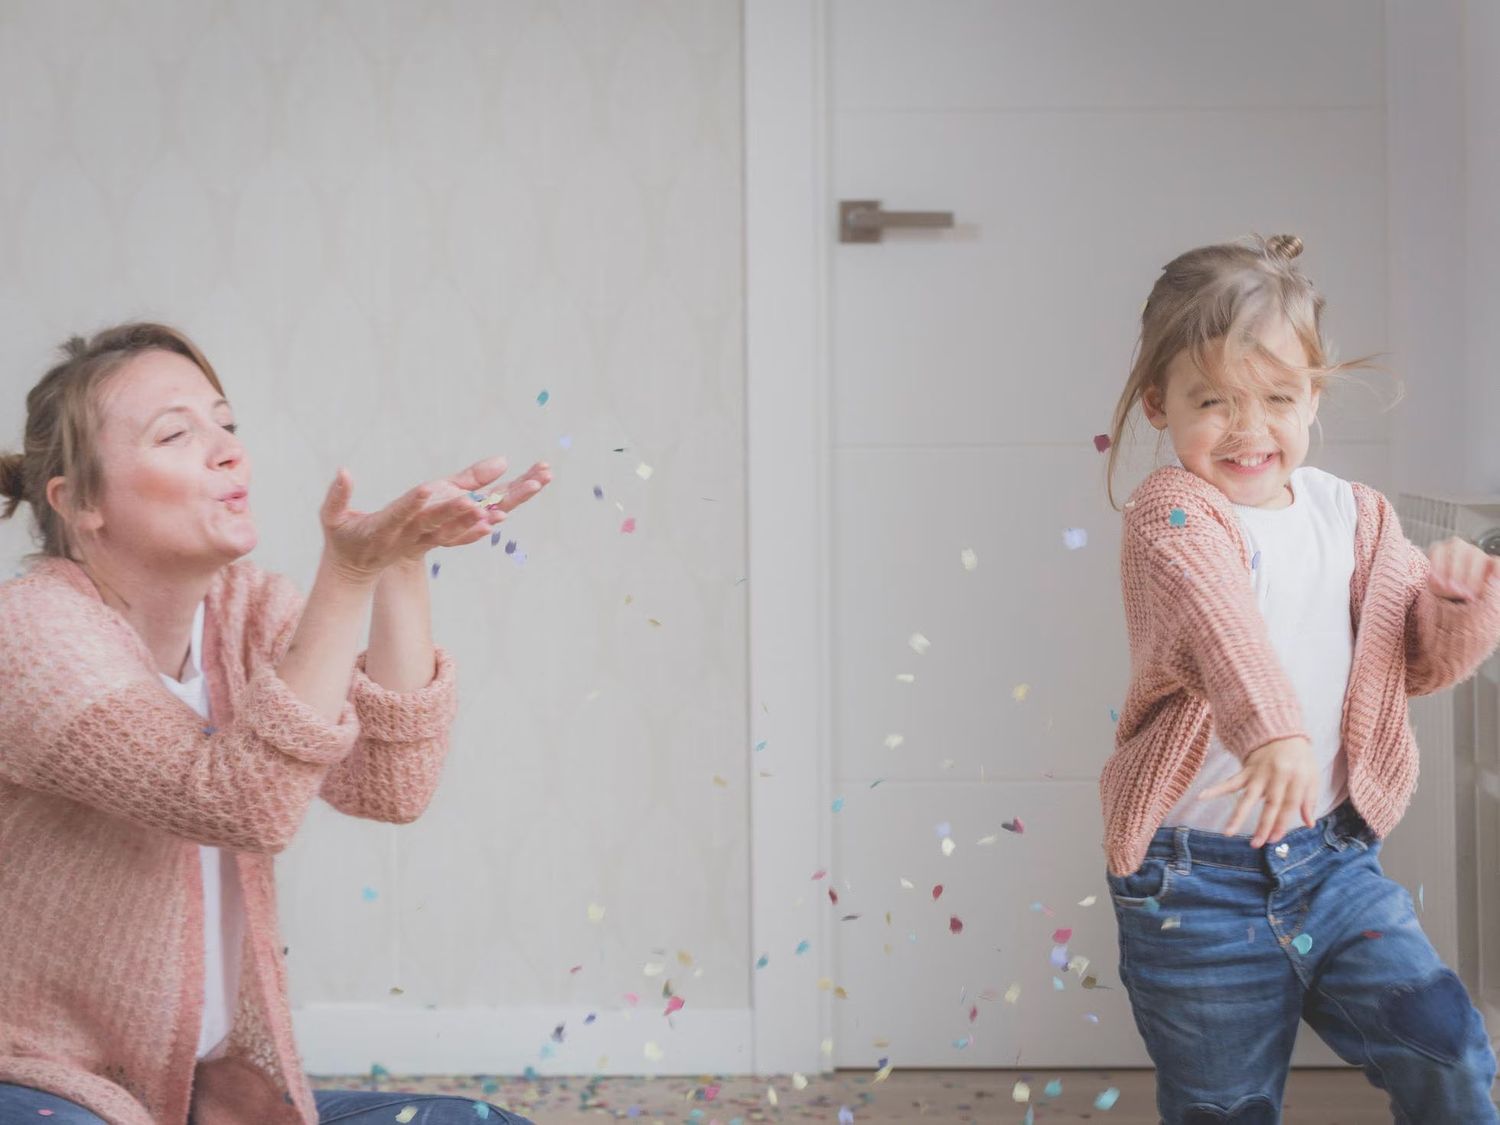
<point x="175" y="488"/>
<point x="1248" y="453"/>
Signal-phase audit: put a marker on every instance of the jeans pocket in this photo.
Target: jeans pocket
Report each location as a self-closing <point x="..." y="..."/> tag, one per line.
<point x="1144" y="888"/>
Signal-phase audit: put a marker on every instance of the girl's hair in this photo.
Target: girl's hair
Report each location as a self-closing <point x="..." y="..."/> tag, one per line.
<point x="63" y="420"/>
<point x="1223" y="297"/>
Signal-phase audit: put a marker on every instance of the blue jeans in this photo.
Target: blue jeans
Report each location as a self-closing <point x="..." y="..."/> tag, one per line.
<point x="350" y="1107"/>
<point x="1225" y="947"/>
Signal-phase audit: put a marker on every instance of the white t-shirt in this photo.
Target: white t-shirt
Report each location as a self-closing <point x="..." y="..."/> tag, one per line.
<point x="1302" y="559"/>
<point x="223" y="907"/>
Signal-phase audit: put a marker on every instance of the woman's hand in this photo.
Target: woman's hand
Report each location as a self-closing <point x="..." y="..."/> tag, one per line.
<point x="1459" y="570"/>
<point x="1285" y="775"/>
<point x="440" y="513"/>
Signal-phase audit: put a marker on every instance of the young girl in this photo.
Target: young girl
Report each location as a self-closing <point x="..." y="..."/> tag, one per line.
<point x="1278" y="622"/>
<point x="168" y="711"/>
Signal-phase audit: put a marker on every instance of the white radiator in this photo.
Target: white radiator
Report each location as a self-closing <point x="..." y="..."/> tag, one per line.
<point x="1459" y="736"/>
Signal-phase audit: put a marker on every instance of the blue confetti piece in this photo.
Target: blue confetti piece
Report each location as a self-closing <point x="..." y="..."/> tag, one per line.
<point x="1107" y="1099"/>
<point x="481" y="1110"/>
<point x="378" y="1072"/>
<point x="547" y="1052"/>
<point x="510" y="547"/>
<point x="543" y="398"/>
<point x="695" y="1115"/>
<point x="435" y="568"/>
<point x="1030" y="1118"/>
<point x="633" y="1111"/>
<point x="1178" y="517"/>
<point x="761" y="745"/>
<point x="1114" y="716"/>
<point x="1302" y="943"/>
<point x="838" y="804"/>
<point x="519" y="558"/>
<point x="494" y="538"/>
<point x="1255" y="561"/>
<point x="210" y="730"/>
<point x="803" y="947"/>
<point x="591" y="1017"/>
<point x="961" y="1043"/>
<point x="762" y="961"/>
<point x="943" y="829"/>
<point x="598" y="493"/>
<point x="1054" y="1088"/>
<point x="370" y="894"/>
<point x="490" y="1087"/>
<point x="566" y="441"/>
<point x="846" y="1115"/>
<point x="1075" y="538"/>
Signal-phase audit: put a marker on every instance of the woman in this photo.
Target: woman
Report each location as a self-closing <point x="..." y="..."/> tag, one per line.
<point x="168" y="711"/>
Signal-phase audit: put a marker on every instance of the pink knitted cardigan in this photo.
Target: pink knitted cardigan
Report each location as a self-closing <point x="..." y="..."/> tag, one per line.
<point x="108" y="783"/>
<point x="1201" y="658"/>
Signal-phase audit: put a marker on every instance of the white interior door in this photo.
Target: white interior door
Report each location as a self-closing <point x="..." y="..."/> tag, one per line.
<point x="1080" y="145"/>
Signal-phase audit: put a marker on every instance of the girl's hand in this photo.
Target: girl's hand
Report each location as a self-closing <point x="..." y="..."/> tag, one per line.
<point x="1285" y="774"/>
<point x="440" y="513"/>
<point x="1459" y="570"/>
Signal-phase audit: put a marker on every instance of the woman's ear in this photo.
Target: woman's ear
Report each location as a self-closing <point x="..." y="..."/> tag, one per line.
<point x="59" y="498"/>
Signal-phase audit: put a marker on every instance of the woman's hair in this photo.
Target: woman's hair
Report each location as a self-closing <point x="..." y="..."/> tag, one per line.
<point x="1223" y="297"/>
<point x="63" y="419"/>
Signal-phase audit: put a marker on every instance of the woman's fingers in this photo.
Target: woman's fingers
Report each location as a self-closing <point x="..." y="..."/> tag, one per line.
<point x="1242" y="809"/>
<point x="1236" y="782"/>
<point x="481" y="474"/>
<point x="336" y="502"/>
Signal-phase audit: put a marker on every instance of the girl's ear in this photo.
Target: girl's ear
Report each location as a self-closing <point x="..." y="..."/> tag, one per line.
<point x="1154" y="408"/>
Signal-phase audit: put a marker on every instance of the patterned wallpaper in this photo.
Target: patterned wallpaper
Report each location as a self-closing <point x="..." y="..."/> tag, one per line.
<point x="397" y="227"/>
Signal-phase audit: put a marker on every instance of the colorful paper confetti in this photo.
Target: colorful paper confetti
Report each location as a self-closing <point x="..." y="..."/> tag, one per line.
<point x="1075" y="538"/>
<point x="969" y="559"/>
<point x="1102" y="442"/>
<point x="1178" y="517"/>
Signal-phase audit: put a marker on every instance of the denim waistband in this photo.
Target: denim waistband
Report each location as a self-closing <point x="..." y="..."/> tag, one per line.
<point x="1183" y="845"/>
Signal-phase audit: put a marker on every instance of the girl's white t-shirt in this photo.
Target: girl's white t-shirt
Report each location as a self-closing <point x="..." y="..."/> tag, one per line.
<point x="223" y="907"/>
<point x="1302" y="560"/>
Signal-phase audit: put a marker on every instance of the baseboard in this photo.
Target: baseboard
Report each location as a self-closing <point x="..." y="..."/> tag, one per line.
<point x="341" y="1039"/>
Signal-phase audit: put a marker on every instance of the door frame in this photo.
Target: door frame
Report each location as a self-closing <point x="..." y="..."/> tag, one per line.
<point x="787" y="245"/>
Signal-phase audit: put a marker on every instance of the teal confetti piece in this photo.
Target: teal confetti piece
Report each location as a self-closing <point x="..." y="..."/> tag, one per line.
<point x="1114" y="716"/>
<point x="1057" y="985"/>
<point x="1151" y="906"/>
<point x="761" y="745"/>
<point x="1054" y="1088"/>
<point x="1107" y="1099"/>
<point x="1302" y="943"/>
<point x="481" y="1110"/>
<point x="369" y="894"/>
<point x="543" y="398"/>
<point x="838" y="804"/>
<point x="803" y="947"/>
<point x="961" y="1043"/>
<point x="762" y="961"/>
<point x="1178" y="517"/>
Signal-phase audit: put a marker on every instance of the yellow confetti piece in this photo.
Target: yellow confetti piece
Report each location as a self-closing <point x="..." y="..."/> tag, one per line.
<point x="1088" y="901"/>
<point x="653" y="968"/>
<point x="984" y="841"/>
<point x="684" y="958"/>
<point x="720" y="782"/>
<point x="1012" y="994"/>
<point x="644" y="471"/>
<point x="892" y="741"/>
<point x="969" y="559"/>
<point x="601" y="1064"/>
<point x="771" y="1096"/>
<point x="1173" y="923"/>
<point x="919" y="644"/>
<point x="905" y="678"/>
<point x="596" y="913"/>
<point x="799" y="1081"/>
<point x="1020" y="1092"/>
<point x="840" y="994"/>
<point x="653" y="1052"/>
<point x="406" y="1114"/>
<point x="825" y="983"/>
<point x="883" y="1073"/>
<point x="888" y="949"/>
<point x="948" y="845"/>
<point x="1020" y="692"/>
<point x="827" y="1046"/>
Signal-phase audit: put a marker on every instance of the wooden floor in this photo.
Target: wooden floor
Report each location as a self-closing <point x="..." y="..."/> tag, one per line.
<point x="1313" y="1097"/>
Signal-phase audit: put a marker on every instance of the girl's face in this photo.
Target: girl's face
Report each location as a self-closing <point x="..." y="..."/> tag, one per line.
<point x="175" y="478"/>
<point x="1250" y="455"/>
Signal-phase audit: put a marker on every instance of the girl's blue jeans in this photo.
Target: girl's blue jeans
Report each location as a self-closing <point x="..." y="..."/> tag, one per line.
<point x="1224" y="948"/>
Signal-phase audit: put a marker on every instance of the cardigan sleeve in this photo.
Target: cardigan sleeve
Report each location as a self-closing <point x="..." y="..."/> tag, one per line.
<point x="85" y="717"/>
<point x="1182" y="566"/>
<point x="1446" y="641"/>
<point x="404" y="737"/>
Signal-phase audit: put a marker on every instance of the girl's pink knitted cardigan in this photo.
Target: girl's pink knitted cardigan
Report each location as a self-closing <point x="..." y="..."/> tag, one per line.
<point x="1201" y="659"/>
<point x="108" y="783"/>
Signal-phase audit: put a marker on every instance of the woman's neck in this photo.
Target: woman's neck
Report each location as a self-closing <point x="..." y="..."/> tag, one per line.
<point x="159" y="605"/>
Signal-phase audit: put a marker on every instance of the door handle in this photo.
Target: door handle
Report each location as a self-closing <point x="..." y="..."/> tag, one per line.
<point x="862" y="220"/>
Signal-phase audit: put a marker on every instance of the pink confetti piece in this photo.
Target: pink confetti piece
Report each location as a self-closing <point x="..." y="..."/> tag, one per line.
<point x="632" y="999"/>
<point x="1372" y="934"/>
<point x="819" y="874"/>
<point x="955" y="926"/>
<point x="833" y="896"/>
<point x="628" y="527"/>
<point x="937" y="892"/>
<point x="1062" y="937"/>
<point x="1014" y="826"/>
<point x="675" y="1004"/>
<point x="1102" y="442"/>
<point x="710" y="1093"/>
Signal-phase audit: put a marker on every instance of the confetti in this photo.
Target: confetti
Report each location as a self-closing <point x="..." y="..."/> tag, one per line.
<point x="1075" y="538"/>
<point x="653" y="1052"/>
<point x="541" y="400"/>
<point x="1172" y="923"/>
<point x="1178" y="517"/>
<point x="905" y="678"/>
<point x="1020" y="692"/>
<point x="644" y="471"/>
<point x="948" y="845"/>
<point x="598" y="493"/>
<point x="803" y="947"/>
<point x="942" y="829"/>
<point x="1107" y="1099"/>
<point x="1062" y="937"/>
<point x="435" y="568"/>
<point x="969" y="559"/>
<point x="1012" y="994"/>
<point x="799" y="1081"/>
<point x="720" y="782"/>
<point x="1054" y="1088"/>
<point x="1302" y="943"/>
<point x="653" y="968"/>
<point x="986" y="840"/>
<point x="596" y="913"/>
<point x="955" y="926"/>
<point x="1089" y="901"/>
<point x="628" y="527"/>
<point x="1255" y="561"/>
<point x="1014" y="826"/>
<point x="846" y="1115"/>
<point x="1020" y="1092"/>
<point x="919" y="644"/>
<point x="369" y="894"/>
<point x="893" y="741"/>
<point x="771" y="1096"/>
<point x="883" y="1073"/>
<point x="937" y="892"/>
<point x="762" y="961"/>
<point x="566" y="441"/>
<point x="675" y="1004"/>
<point x="1372" y="934"/>
<point x="1102" y="442"/>
<point x="406" y="1114"/>
<point x="838" y="804"/>
<point x="481" y="1110"/>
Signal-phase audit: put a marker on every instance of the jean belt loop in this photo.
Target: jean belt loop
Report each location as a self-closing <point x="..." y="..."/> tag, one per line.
<point x="1182" y="855"/>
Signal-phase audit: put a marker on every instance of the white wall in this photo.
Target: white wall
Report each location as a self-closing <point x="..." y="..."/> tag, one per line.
<point x="391" y="225"/>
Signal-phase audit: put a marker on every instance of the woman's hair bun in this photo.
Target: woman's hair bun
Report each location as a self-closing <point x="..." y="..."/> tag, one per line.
<point x="1284" y="246"/>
